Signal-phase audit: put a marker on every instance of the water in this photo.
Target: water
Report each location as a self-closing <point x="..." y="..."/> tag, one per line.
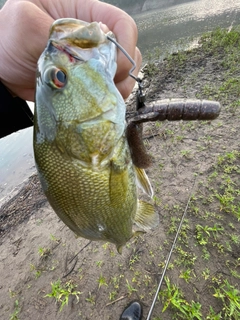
<point x="170" y="29"/>
<point x="16" y="160"/>
<point x="176" y="27"/>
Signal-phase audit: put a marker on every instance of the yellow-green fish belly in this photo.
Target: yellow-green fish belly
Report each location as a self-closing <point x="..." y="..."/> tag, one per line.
<point x="95" y="204"/>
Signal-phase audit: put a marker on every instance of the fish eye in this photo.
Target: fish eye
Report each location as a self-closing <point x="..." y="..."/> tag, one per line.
<point x="55" y="77"/>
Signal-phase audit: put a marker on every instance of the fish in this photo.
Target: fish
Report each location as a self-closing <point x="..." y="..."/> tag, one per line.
<point x="81" y="151"/>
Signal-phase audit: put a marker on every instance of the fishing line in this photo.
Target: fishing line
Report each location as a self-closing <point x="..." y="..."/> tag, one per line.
<point x="141" y="98"/>
<point x="75" y="256"/>
<point x="169" y="256"/>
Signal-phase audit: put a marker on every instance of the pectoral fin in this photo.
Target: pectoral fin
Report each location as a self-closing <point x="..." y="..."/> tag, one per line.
<point x="118" y="183"/>
<point x="143" y="181"/>
<point x="146" y="217"/>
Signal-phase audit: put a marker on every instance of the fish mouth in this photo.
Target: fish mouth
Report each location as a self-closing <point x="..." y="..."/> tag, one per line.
<point x="78" y="33"/>
<point x="79" y="41"/>
<point x="72" y="52"/>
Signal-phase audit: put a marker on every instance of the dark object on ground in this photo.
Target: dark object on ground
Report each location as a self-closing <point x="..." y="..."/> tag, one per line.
<point x="132" y="312"/>
<point x="15" y="113"/>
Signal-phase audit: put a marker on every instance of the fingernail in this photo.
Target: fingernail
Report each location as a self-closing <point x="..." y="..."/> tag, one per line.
<point x="104" y="27"/>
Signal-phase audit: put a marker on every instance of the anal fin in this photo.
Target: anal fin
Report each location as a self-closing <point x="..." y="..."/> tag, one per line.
<point x="146" y="217"/>
<point x="143" y="181"/>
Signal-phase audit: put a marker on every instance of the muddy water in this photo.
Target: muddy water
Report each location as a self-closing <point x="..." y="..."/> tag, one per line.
<point x="169" y="29"/>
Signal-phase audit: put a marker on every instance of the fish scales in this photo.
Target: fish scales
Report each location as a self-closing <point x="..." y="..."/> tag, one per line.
<point x="94" y="185"/>
<point x="81" y="151"/>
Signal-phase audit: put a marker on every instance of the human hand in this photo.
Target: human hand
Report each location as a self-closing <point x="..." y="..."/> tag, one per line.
<point x="24" y="29"/>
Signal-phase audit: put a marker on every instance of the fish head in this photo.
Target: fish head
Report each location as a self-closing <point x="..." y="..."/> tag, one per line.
<point x="76" y="98"/>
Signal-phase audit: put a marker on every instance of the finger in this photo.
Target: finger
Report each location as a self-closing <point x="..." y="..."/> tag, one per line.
<point x="118" y="21"/>
<point x="104" y="27"/>
<point x="125" y="30"/>
<point x="28" y="48"/>
<point x="23" y="44"/>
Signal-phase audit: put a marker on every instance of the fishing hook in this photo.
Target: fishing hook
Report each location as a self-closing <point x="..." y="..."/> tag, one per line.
<point x="128" y="56"/>
<point x="140" y="94"/>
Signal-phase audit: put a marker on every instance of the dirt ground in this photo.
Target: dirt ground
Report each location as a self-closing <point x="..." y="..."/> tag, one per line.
<point x="197" y="159"/>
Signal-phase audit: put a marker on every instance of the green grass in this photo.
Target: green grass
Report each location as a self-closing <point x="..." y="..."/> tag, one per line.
<point x="212" y="236"/>
<point x="221" y="38"/>
<point x="230" y="297"/>
<point x="14" y="315"/>
<point x="61" y="292"/>
<point x="173" y="298"/>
